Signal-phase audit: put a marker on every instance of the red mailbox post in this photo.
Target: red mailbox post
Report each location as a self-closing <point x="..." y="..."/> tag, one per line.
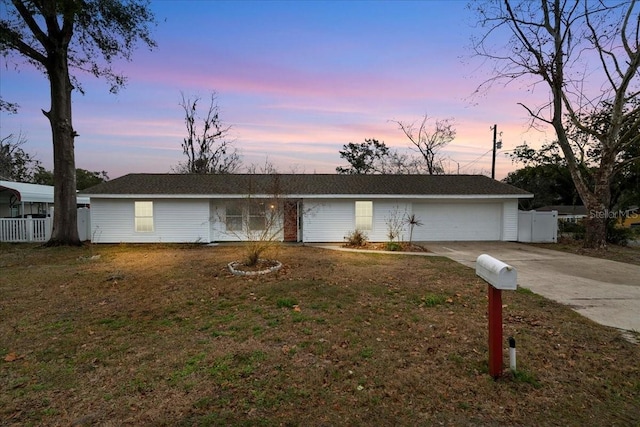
<point x="499" y="276"/>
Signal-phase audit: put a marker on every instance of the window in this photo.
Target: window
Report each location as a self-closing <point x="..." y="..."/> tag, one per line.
<point x="144" y="217"/>
<point x="257" y="217"/>
<point x="233" y="218"/>
<point x="364" y="215"/>
<point x="245" y="216"/>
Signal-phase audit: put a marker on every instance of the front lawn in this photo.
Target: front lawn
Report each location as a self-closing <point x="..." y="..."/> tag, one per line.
<point x="165" y="335"/>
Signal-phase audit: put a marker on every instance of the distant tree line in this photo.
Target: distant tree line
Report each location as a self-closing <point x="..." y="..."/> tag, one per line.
<point x="19" y="166"/>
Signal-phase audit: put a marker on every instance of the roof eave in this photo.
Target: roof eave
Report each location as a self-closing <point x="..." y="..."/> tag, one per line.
<point x="309" y="196"/>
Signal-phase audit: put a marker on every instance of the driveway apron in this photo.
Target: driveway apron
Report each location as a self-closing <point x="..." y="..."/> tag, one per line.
<point x="607" y="292"/>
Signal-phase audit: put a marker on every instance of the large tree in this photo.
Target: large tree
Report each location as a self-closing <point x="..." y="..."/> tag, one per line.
<point x="207" y="145"/>
<point x="64" y="38"/>
<point x="368" y="157"/>
<point x="428" y="140"/>
<point x="585" y="55"/>
<point x="375" y="157"/>
<point x="545" y="175"/>
<point x="84" y="178"/>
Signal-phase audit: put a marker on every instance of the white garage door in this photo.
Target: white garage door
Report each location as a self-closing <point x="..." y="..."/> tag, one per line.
<point x="458" y="221"/>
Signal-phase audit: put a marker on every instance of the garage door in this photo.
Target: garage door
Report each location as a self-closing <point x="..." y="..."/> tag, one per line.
<point x="458" y="221"/>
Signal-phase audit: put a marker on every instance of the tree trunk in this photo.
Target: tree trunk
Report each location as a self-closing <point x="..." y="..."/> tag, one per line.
<point x="595" y="229"/>
<point x="65" y="216"/>
<point x="597" y="204"/>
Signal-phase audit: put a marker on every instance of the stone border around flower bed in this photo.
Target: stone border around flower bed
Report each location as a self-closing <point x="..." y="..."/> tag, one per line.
<point x="235" y="265"/>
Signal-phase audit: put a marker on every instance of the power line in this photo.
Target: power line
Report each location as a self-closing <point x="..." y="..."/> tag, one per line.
<point x="474" y="161"/>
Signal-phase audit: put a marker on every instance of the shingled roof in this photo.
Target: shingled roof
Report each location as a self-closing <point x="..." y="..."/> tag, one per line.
<point x="304" y="185"/>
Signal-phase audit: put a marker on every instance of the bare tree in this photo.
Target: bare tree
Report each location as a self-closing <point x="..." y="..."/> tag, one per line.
<point x="266" y="168"/>
<point x="256" y="219"/>
<point x="15" y="163"/>
<point x="395" y="225"/>
<point x="429" y="140"/>
<point x="401" y="163"/>
<point x="585" y="54"/>
<point x="208" y="149"/>
<point x="58" y="38"/>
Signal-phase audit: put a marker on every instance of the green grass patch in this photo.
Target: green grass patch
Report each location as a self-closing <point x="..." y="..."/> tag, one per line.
<point x="286" y="302"/>
<point x="526" y="377"/>
<point x="432" y="300"/>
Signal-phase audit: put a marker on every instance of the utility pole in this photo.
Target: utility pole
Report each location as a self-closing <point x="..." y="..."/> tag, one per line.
<point x="496" y="146"/>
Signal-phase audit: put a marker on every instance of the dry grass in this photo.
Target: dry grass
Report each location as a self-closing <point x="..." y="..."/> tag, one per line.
<point x="165" y="335"/>
<point x="626" y="254"/>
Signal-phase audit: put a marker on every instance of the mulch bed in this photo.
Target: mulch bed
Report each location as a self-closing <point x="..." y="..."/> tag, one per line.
<point x="389" y="247"/>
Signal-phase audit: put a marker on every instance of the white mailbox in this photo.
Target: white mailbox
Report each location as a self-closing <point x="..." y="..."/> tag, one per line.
<point x="496" y="273"/>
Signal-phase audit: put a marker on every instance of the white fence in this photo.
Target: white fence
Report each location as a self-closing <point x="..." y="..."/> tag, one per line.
<point x="537" y="227"/>
<point x="39" y="229"/>
<point x="25" y="229"/>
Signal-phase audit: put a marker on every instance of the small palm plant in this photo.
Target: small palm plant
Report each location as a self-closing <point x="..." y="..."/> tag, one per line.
<point x="413" y="221"/>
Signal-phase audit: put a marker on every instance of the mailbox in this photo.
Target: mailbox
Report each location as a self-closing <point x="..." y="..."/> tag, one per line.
<point x="499" y="276"/>
<point x="496" y="273"/>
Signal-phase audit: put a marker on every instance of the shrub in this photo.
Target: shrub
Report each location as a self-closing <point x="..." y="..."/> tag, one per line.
<point x="616" y="235"/>
<point x="619" y="235"/>
<point x="393" y="246"/>
<point x="395" y="224"/>
<point x="575" y="230"/>
<point x="356" y="238"/>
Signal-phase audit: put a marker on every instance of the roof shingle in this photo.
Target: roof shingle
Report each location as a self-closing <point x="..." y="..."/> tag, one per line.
<point x="303" y="184"/>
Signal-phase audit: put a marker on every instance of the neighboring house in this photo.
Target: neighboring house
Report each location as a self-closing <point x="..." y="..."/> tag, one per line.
<point x="571" y="213"/>
<point x="630" y="217"/>
<point x="574" y="214"/>
<point x="25" y="211"/>
<point x="19" y="199"/>
<point x="310" y="208"/>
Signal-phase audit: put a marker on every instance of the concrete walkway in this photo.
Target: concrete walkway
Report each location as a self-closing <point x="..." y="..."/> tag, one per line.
<point x="607" y="292"/>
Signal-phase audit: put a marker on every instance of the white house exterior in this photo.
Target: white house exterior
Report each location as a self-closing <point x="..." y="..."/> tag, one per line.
<point x="145" y="208"/>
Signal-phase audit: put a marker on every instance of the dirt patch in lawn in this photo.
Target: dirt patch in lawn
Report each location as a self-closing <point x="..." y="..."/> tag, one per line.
<point x="166" y="335"/>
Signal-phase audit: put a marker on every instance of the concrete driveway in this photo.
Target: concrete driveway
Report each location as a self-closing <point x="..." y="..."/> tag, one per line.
<point x="607" y="292"/>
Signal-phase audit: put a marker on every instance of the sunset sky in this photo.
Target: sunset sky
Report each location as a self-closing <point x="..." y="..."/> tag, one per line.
<point x="295" y="80"/>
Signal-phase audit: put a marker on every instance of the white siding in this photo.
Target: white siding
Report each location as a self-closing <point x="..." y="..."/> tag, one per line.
<point x="463" y="221"/>
<point x="510" y="220"/>
<point x="383" y="211"/>
<point x="323" y="220"/>
<point x="327" y="220"/>
<point x="175" y="221"/>
<point x="331" y="220"/>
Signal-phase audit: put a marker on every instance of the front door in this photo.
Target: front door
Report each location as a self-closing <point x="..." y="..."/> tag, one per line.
<point x="290" y="221"/>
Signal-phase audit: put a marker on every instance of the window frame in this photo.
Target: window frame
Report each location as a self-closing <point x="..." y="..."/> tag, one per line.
<point x="363" y="215"/>
<point x="246" y="216"/>
<point x="143" y="216"/>
<point x="257" y="216"/>
<point x="235" y="221"/>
